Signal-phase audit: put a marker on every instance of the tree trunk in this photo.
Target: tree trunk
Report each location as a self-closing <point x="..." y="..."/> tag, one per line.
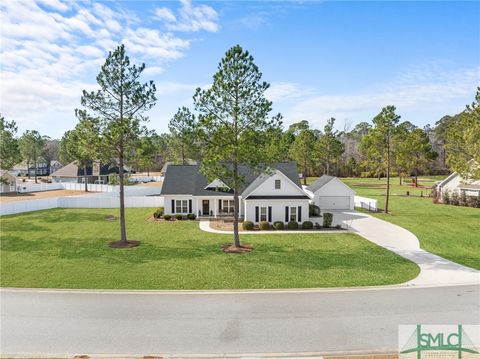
<point x="327" y="168"/>
<point x="304" y="178"/>
<point x="400" y="177"/>
<point x="85" y="177"/>
<point x="236" y="237"/>
<point x="123" y="231"/>
<point x="416" y="177"/>
<point x="35" y="171"/>
<point x="388" y="174"/>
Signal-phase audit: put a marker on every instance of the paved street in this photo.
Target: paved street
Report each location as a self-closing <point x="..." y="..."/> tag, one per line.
<point x="156" y="323"/>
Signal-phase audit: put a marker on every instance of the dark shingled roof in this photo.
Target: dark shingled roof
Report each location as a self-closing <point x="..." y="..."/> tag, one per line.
<point x="319" y="183"/>
<point x="187" y="179"/>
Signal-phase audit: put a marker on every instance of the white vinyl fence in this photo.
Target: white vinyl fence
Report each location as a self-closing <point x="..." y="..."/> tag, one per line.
<point x="88" y="201"/>
<point x="25" y="187"/>
<point x="366" y="203"/>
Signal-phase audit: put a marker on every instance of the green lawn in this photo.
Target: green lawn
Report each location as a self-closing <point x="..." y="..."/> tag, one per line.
<point x="449" y="231"/>
<point x="67" y="248"/>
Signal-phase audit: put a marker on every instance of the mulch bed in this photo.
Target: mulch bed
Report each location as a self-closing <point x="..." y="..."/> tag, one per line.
<point x="230" y="248"/>
<point x="127" y="244"/>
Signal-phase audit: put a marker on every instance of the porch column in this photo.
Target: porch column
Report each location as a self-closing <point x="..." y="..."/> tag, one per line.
<point x="216" y="207"/>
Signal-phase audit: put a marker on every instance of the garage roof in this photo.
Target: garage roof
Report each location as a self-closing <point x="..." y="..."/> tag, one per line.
<point x="322" y="181"/>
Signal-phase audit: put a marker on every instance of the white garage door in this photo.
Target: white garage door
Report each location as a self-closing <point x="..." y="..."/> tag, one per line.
<point x="334" y="202"/>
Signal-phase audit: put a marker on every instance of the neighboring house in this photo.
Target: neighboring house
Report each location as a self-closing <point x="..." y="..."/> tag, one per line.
<point x="55" y="166"/>
<point x="456" y="183"/>
<point x="329" y="192"/>
<point x="275" y="195"/>
<point x="7" y="182"/>
<point x="43" y="168"/>
<point x="95" y="174"/>
<point x="20" y="169"/>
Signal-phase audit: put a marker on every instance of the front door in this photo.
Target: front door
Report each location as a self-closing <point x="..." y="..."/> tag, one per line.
<point x="206" y="207"/>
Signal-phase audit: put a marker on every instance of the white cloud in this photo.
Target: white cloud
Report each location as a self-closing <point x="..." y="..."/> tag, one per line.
<point x="281" y="91"/>
<point x="51" y="50"/>
<point x="415" y="90"/>
<point x="165" y="14"/>
<point x="190" y="18"/>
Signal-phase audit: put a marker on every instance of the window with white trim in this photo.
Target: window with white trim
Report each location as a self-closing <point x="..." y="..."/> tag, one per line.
<point x="181" y="206"/>
<point x="263" y="213"/>
<point x="228" y="205"/>
<point x="293" y="213"/>
<point x="278" y="184"/>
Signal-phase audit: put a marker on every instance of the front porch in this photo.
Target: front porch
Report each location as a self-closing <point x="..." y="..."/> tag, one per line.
<point x="216" y="207"/>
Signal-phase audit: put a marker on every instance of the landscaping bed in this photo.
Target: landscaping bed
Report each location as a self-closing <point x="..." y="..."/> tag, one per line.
<point x="68" y="248"/>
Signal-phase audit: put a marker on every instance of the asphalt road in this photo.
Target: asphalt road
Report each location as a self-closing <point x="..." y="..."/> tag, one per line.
<point x="156" y="323"/>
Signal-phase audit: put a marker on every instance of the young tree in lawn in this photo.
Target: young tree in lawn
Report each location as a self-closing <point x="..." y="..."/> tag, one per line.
<point x="233" y="120"/>
<point x="32" y="145"/>
<point x="385" y="124"/>
<point x="463" y="141"/>
<point x="401" y="159"/>
<point x="9" y="149"/>
<point x="417" y="151"/>
<point x="329" y="146"/>
<point x="82" y="143"/>
<point x="146" y="152"/>
<point x="183" y="135"/>
<point x="302" y="151"/>
<point x="119" y="104"/>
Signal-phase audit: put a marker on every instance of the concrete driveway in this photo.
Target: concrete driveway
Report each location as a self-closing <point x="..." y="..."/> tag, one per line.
<point x="435" y="270"/>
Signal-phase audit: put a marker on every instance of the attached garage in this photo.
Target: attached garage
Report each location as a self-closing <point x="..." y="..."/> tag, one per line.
<point x="329" y="193"/>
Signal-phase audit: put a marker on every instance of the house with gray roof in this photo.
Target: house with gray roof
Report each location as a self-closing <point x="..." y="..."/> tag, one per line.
<point x="329" y="192"/>
<point x="274" y="195"/>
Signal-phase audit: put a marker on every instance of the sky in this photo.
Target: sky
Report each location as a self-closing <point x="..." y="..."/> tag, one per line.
<point x="325" y="59"/>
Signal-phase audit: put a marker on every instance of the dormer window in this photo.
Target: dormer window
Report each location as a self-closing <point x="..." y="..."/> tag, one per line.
<point x="277" y="184"/>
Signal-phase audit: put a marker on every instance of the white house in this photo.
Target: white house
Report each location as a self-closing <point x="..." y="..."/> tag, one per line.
<point x="329" y="192"/>
<point x="275" y="195"/>
<point x="456" y="183"/>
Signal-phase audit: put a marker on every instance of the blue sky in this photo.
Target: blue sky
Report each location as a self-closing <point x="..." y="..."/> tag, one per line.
<point x="323" y="59"/>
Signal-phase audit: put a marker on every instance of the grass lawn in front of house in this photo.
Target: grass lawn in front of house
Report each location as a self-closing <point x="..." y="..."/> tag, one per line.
<point x="68" y="248"/>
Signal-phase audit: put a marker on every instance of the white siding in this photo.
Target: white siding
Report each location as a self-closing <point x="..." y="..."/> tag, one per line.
<point x="278" y="208"/>
<point x="335" y="195"/>
<point x="287" y="187"/>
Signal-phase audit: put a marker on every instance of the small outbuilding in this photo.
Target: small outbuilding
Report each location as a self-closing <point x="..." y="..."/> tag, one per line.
<point x="328" y="192"/>
<point x="7" y="182"/>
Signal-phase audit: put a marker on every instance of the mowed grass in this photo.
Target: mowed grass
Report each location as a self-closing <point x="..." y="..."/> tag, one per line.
<point x="450" y="231"/>
<point x="67" y="248"/>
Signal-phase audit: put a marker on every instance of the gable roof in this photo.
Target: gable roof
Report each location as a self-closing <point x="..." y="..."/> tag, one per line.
<point x="187" y="179"/>
<point x="73" y="170"/>
<point x="319" y="183"/>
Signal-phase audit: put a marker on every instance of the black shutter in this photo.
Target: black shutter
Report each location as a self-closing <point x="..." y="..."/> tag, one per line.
<point x="286" y="213"/>
<point x="220" y="205"/>
<point x="299" y="214"/>
<point x="189" y="206"/>
<point x="173" y="206"/>
<point x="256" y="213"/>
<point x="269" y="213"/>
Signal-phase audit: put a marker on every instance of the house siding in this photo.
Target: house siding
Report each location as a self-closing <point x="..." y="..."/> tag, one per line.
<point x="275" y="209"/>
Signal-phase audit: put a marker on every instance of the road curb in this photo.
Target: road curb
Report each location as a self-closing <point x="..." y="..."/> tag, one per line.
<point x="354" y="354"/>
